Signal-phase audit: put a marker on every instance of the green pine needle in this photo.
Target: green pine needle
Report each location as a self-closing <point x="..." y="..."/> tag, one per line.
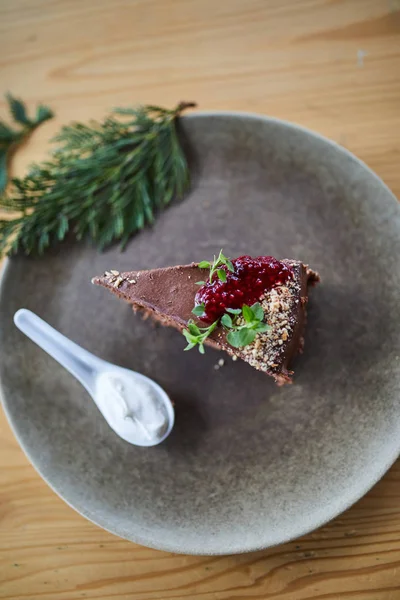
<point x="105" y="181"/>
<point x="11" y="138"/>
<point x="18" y="110"/>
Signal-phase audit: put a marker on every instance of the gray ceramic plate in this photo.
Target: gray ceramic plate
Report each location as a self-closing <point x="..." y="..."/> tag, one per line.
<point x="248" y="465"/>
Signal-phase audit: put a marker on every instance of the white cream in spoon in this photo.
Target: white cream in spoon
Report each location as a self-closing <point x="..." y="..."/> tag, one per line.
<point x="134" y="406"/>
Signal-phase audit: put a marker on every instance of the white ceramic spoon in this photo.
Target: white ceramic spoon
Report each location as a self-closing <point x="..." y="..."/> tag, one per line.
<point x="134" y="406"/>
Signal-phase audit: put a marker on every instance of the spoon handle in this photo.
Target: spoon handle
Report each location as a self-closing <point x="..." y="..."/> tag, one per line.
<point x="81" y="363"/>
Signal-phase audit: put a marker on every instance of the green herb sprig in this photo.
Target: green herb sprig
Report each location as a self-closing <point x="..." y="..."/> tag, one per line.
<point x="11" y="138"/>
<point x="244" y="328"/>
<point x="196" y="335"/>
<point x="215" y="266"/>
<point x="105" y="181"/>
<point x="199" y="310"/>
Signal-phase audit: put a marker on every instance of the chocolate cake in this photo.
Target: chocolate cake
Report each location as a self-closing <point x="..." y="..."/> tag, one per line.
<point x="280" y="288"/>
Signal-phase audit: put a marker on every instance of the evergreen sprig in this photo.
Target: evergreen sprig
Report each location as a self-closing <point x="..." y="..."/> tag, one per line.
<point x="11" y="138"/>
<point x="105" y="181"/>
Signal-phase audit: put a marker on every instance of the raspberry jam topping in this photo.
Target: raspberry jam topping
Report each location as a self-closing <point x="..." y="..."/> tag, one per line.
<point x="250" y="279"/>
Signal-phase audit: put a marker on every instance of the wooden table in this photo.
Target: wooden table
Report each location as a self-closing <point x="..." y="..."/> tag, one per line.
<point x="331" y="65"/>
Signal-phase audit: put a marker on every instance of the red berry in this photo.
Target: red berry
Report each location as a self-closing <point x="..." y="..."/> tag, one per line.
<point x="250" y="279"/>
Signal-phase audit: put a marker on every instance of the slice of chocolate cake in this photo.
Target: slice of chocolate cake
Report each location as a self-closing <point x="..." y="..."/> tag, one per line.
<point x="252" y="308"/>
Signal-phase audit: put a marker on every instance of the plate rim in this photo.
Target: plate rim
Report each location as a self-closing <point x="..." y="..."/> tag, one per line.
<point x="295" y="532"/>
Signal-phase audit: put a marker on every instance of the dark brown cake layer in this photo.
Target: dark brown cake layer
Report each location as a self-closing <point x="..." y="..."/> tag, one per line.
<point x="167" y="295"/>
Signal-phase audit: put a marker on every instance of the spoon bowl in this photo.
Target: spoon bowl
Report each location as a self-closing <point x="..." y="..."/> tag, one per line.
<point x="135" y="407"/>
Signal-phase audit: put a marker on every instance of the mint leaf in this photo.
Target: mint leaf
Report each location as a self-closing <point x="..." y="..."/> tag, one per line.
<point x="198" y="310"/>
<point x="189" y="346"/>
<point x="189" y="336"/>
<point x="233" y="339"/>
<point x="234" y="311"/>
<point x="230" y="266"/>
<point x="247" y="313"/>
<point x="258" y="311"/>
<point x="200" y="282"/>
<point x="215" y="266"/>
<point x="197" y="335"/>
<point x="247" y="336"/>
<point x="221" y="275"/>
<point x="240" y="338"/>
<point x="193" y="329"/>
<point x="262" y="328"/>
<point x="226" y="321"/>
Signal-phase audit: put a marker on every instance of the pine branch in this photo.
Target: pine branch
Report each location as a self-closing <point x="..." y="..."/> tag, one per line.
<point x="105" y="181"/>
<point x="10" y="138"/>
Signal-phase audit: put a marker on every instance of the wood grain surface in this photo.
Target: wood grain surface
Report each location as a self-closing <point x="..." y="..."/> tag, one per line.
<point x="331" y="65"/>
